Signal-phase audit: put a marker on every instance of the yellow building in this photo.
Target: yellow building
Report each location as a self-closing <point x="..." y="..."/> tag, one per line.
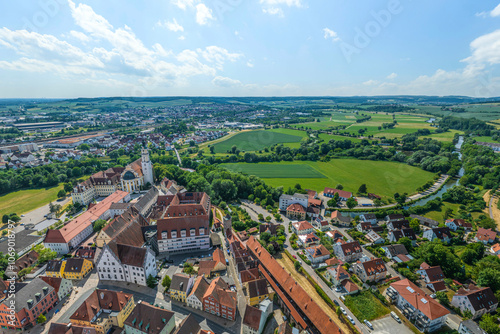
<point x="181" y="286"/>
<point x="258" y="291"/>
<point x="104" y="309"/>
<point x="55" y="268"/>
<point x="77" y="268"/>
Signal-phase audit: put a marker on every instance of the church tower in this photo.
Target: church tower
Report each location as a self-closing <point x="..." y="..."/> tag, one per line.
<point x="147" y="167"/>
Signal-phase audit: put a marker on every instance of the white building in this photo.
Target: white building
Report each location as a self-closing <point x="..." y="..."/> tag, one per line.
<point x="477" y="301"/>
<point x="183" y="234"/>
<point x="287" y="200"/>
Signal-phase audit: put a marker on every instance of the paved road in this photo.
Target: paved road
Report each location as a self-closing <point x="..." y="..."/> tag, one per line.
<point x="178" y="157"/>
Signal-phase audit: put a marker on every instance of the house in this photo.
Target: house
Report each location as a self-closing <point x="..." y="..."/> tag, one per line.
<point x="286" y="200"/>
<point x="374" y="238"/>
<point x="26" y="261"/>
<point x="454" y="224"/>
<point x="180" y="287"/>
<point x="103" y="309"/>
<point x="333" y="261"/>
<point x="313" y="212"/>
<point x="436" y="286"/>
<point x="369" y="218"/>
<point x="195" y="297"/>
<point x="55" y="268"/>
<point x="343" y="195"/>
<point x="486" y="236"/>
<point x="430" y="274"/>
<point x="373" y="270"/>
<point x="364" y="227"/>
<point x="183" y="234"/>
<point x="62" y="286"/>
<point x="395" y="235"/>
<point x="334" y="235"/>
<point x="128" y="220"/>
<point x="394" y="250"/>
<point x="77" y="268"/>
<point x="269" y="228"/>
<point x="307" y="240"/>
<point x="255" y="318"/>
<point x="220" y="300"/>
<point x="302" y="228"/>
<point x="190" y="326"/>
<point x="25" y="305"/>
<point x="476" y="300"/>
<point x="321" y="225"/>
<point x="470" y="327"/>
<point x="336" y="275"/>
<point x="126" y="263"/>
<point x="394" y="218"/>
<point x="341" y="220"/>
<point x="350" y="287"/>
<point x="398" y="225"/>
<point x="495" y="249"/>
<point x="216" y="266"/>
<point x="148" y="319"/>
<point x="69" y="328"/>
<point x="441" y="233"/>
<point x="428" y="314"/>
<point x="296" y="211"/>
<point x="317" y="254"/>
<point x="86" y="253"/>
<point x="349" y="251"/>
<point x="258" y="291"/>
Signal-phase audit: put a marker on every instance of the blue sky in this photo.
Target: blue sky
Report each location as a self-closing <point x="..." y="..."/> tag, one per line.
<point x="87" y="48"/>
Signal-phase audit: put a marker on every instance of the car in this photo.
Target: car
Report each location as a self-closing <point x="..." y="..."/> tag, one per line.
<point x="22" y="216"/>
<point x="338" y="289"/>
<point x="368" y="324"/>
<point x="294" y="256"/>
<point x="336" y="302"/>
<point x="395" y="316"/>
<point x="433" y="296"/>
<point x="351" y="319"/>
<point x="343" y="310"/>
<point x="22" y="224"/>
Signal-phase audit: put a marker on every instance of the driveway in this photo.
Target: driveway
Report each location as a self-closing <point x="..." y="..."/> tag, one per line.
<point x="388" y="325"/>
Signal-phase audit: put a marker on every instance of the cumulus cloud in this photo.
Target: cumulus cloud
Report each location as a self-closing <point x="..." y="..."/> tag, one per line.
<point x="170" y="25"/>
<point x="225" y="82"/>
<point x="330" y="34"/>
<point x="392" y="76"/>
<point x="494" y="13"/>
<point x="183" y="4"/>
<point x="203" y="14"/>
<point x="274" y="7"/>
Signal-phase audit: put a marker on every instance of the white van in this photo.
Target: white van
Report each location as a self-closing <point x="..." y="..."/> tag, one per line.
<point x="342" y="298"/>
<point x="395" y="316"/>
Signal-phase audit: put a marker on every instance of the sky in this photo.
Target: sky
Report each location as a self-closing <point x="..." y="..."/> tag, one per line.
<point x="95" y="48"/>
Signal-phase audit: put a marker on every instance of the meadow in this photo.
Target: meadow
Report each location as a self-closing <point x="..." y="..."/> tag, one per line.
<point x="24" y="201"/>
<point x="381" y="177"/>
<point x="249" y="141"/>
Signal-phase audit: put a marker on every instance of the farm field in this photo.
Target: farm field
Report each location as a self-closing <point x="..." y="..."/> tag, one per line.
<point x="249" y="141"/>
<point x="444" y="136"/>
<point x="381" y="177"/>
<point x="365" y="305"/>
<point x="23" y="201"/>
<point x="485" y="139"/>
<point x="326" y="137"/>
<point x="276" y="170"/>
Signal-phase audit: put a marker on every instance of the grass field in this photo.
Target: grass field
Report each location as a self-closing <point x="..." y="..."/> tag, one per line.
<point x="381" y="177"/>
<point x="365" y="305"/>
<point x="485" y="139"/>
<point x="444" y="136"/>
<point x="23" y="201"/>
<point x="326" y="137"/>
<point x="258" y="140"/>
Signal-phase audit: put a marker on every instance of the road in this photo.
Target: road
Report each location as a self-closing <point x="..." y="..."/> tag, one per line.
<point x="334" y="296"/>
<point x="178" y="157"/>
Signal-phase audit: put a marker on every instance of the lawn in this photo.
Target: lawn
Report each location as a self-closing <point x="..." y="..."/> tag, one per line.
<point x="249" y="141"/>
<point x="276" y="170"/>
<point x="24" y="201"/>
<point x="485" y="139"/>
<point x="383" y="178"/>
<point x="365" y="305"/>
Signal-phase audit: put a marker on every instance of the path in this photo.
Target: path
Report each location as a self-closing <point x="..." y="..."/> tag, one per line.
<point x="493" y="209"/>
<point x="178" y="157"/>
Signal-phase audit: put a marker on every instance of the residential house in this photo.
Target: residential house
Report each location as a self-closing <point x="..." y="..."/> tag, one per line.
<point x="55" y="268"/>
<point x="350" y="287"/>
<point x="257" y="291"/>
<point x="69" y="328"/>
<point x="321" y="225"/>
<point x="307" y="240"/>
<point x="62" y="286"/>
<point x="364" y="227"/>
<point x="374" y="238"/>
<point x="190" y="326"/>
<point x="77" y="268"/>
<point x="128" y="220"/>
<point x="220" y="300"/>
<point x="148" y="319"/>
<point x="296" y="211"/>
<point x="393" y="218"/>
<point x="302" y="228"/>
<point x="441" y="233"/>
<point x="214" y="267"/>
<point x="336" y="275"/>
<point x="395" y="235"/>
<point x="398" y="225"/>
<point x="317" y="254"/>
<point x="368" y="218"/>
<point x="495" y="249"/>
<point x="373" y="270"/>
<point x="343" y="195"/>
<point x="427" y="314"/>
<point x="334" y="235"/>
<point x="476" y="300"/>
<point x="26" y="261"/>
<point x="349" y="251"/>
<point x="286" y="200"/>
<point x="180" y="287"/>
<point x="195" y="297"/>
<point x="430" y="274"/>
<point x="21" y="309"/>
<point x="341" y="220"/>
<point x="255" y="318"/>
<point x="103" y="309"/>
<point x="470" y="327"/>
<point x="86" y="253"/>
<point x="394" y="250"/>
<point x="269" y="228"/>
<point x="455" y="224"/>
<point x="485" y="235"/>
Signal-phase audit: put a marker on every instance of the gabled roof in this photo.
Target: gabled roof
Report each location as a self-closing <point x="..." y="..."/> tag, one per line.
<point x="257" y="288"/>
<point x="219" y="290"/>
<point x="318" y="251"/>
<point x="351" y="248"/>
<point x="342" y="193"/>
<point x="434" y="273"/>
<point x="69" y="328"/>
<point x="485" y="234"/>
<point x="480" y="298"/>
<point x="54" y="265"/>
<point x="100" y="299"/>
<point x="349" y="285"/>
<point x="302" y="225"/>
<point x="374" y="266"/>
<point x="74" y="265"/>
<point x="296" y="207"/>
<point x="148" y="318"/>
<point x="179" y="282"/>
<point x="54" y="282"/>
<point x="129" y="255"/>
<point x="200" y="287"/>
<point x="188" y="326"/>
<point x="252" y="317"/>
<point x="418" y="299"/>
<point x="396" y="249"/>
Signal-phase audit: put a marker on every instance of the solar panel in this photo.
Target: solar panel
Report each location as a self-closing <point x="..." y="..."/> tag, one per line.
<point x="424" y="301"/>
<point x="409" y="288"/>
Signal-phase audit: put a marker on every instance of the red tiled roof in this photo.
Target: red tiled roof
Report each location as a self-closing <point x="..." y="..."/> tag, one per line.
<point x="485" y="234"/>
<point x="302" y="225"/>
<point x="296" y="207"/>
<point x="349" y="285"/>
<point x="342" y="193"/>
<point x="351" y="247"/>
<point x="252" y="317"/>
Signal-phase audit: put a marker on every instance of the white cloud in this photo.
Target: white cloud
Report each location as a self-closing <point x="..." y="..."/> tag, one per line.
<point x="183" y="4"/>
<point x="203" y="14"/>
<point x="496" y="11"/>
<point x="328" y="33"/>
<point x="250" y="64"/>
<point x="172" y="26"/>
<point x="485" y="50"/>
<point x="225" y="82"/>
<point x="274" y="11"/>
<point x="274" y="7"/>
<point x="392" y="76"/>
<point x="80" y="36"/>
<point x="370" y="82"/>
<point x="218" y="55"/>
<point x="182" y="38"/>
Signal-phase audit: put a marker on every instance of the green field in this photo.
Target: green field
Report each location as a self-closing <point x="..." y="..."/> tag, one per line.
<point x="381" y="177"/>
<point x="326" y="137"/>
<point x="365" y="305"/>
<point x="24" y="201"/>
<point x="485" y="139"/>
<point x="249" y="141"/>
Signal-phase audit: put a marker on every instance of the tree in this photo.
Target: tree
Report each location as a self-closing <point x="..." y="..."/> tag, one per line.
<point x="61" y="193"/>
<point x="5" y="219"/>
<point x="68" y="187"/>
<point x="44" y="254"/>
<point x="99" y="224"/>
<point x="151" y="281"/>
<point x="166" y="282"/>
<point x="400" y="198"/>
<point x="261" y="216"/>
<point x="84" y="147"/>
<point x="268" y="219"/>
<point x="233" y="149"/>
<point x="443" y="298"/>
<point x="339" y="187"/>
<point x="351" y="202"/>
<point x="362" y="189"/>
<point x="297" y="265"/>
<point x="212" y="149"/>
<point x="41" y="319"/>
<point x="405" y="241"/>
<point x="332" y="203"/>
<point x="488" y="324"/>
<point x="415" y="225"/>
<point x="378" y="202"/>
<point x="489" y="277"/>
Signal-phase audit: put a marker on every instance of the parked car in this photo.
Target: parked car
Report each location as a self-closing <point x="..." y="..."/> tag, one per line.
<point x="336" y="302"/>
<point x="368" y="324"/>
<point x="343" y="310"/>
<point x="351" y="320"/>
<point x="338" y="289"/>
<point x="294" y="256"/>
<point x="395" y="316"/>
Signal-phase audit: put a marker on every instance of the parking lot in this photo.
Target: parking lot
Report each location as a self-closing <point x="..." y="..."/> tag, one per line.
<point x="388" y="325"/>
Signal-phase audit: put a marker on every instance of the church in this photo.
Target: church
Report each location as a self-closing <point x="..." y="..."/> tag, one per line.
<point x="102" y="184"/>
